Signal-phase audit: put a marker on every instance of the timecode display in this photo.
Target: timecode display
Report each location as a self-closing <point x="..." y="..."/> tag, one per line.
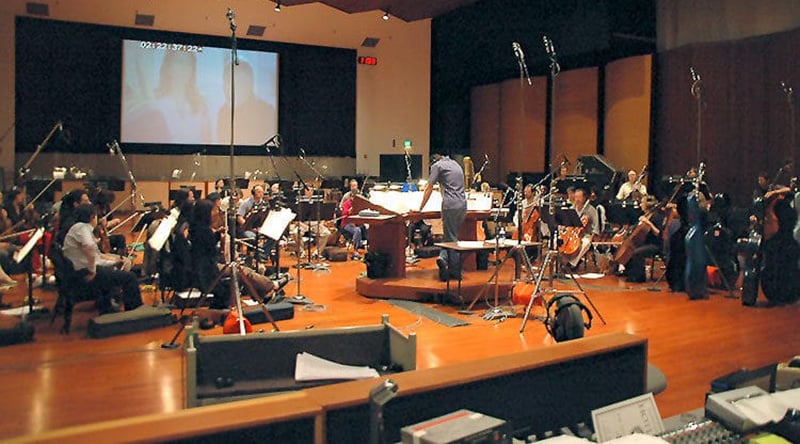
<point x="170" y="46"/>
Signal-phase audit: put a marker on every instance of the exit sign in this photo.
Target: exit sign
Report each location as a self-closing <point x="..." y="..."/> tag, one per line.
<point x="365" y="60"/>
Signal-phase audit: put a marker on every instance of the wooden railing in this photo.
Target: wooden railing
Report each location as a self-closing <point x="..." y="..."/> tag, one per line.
<point x="534" y="390"/>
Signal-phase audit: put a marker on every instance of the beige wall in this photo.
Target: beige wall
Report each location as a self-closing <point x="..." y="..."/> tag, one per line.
<point x="682" y="22"/>
<point x="393" y="98"/>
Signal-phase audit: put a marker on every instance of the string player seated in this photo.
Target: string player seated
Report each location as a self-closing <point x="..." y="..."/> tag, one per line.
<point x="207" y="257"/>
<point x="102" y="272"/>
<point x="652" y="222"/>
<point x="317" y="228"/>
<point x="632" y="189"/>
<point x="529" y="228"/>
<point x="251" y="214"/>
<point x="578" y="240"/>
<point x="106" y="221"/>
<point x="350" y="227"/>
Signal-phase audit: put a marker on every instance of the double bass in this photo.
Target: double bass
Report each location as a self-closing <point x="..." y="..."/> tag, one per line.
<point x="695" y="274"/>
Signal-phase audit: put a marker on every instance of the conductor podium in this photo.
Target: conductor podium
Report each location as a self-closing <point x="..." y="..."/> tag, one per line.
<point x="388" y="237"/>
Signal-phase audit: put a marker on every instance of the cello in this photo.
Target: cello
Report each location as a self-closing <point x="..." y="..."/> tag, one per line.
<point x="695" y="273"/>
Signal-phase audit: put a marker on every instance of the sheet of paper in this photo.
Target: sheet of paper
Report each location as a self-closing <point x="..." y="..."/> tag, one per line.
<point x="20" y="254"/>
<point x="276" y="222"/>
<point x="637" y="438"/>
<point x="635" y="415"/>
<point x="769" y="408"/>
<point x="309" y="367"/>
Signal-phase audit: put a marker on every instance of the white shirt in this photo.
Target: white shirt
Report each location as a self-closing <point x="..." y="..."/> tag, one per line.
<point x="81" y="248"/>
<point x="627" y="188"/>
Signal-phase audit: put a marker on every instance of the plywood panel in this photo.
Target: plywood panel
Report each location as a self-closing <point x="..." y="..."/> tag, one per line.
<point x="627" y="112"/>
<point x="485" y="129"/>
<point x="575" y="114"/>
<point x="522" y="152"/>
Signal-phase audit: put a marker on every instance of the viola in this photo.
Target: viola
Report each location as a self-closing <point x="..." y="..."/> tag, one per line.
<point x="103" y="242"/>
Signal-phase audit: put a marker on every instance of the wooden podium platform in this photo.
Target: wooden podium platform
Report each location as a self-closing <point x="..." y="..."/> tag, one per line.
<point x="387" y="235"/>
<point x="424" y="285"/>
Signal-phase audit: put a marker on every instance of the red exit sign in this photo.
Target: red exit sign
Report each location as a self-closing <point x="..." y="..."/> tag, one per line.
<point x="365" y="60"/>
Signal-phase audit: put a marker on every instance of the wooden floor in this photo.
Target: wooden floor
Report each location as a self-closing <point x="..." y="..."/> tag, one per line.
<point x="57" y="381"/>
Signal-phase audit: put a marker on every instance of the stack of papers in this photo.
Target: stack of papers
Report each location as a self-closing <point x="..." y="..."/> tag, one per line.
<point x="313" y="368"/>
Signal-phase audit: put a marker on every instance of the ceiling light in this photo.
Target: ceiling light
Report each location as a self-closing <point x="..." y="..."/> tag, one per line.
<point x="277" y="6"/>
<point x="385" y="15"/>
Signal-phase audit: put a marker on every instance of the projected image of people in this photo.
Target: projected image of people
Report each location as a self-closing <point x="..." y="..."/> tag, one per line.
<point x="178" y="112"/>
<point x="175" y="93"/>
<point x="252" y="114"/>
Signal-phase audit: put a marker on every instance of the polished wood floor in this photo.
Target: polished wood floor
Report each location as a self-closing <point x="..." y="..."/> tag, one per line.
<point x="57" y="381"/>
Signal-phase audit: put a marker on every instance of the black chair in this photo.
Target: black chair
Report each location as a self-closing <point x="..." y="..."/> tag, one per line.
<point x="71" y="285"/>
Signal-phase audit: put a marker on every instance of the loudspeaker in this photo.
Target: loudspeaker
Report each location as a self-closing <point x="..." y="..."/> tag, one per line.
<point x="279" y="312"/>
<point x="141" y="318"/>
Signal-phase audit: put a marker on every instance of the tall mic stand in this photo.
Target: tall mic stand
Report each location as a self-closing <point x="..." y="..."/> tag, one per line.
<point x="548" y="263"/>
<point x="518" y="251"/>
<point x="234" y="254"/>
<point x="26" y="167"/>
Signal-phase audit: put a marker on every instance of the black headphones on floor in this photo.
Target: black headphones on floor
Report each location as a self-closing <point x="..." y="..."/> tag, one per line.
<point x="567" y="322"/>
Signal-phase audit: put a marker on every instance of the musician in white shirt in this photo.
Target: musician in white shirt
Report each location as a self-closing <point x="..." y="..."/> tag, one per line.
<point x="631" y="186"/>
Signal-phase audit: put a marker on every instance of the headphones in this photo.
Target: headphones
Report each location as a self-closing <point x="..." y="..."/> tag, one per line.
<point x="560" y="325"/>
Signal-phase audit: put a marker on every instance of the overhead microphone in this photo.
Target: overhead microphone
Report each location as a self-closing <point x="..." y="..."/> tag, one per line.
<point x="302" y="153"/>
<point x="231" y="16"/>
<point x="695" y="74"/>
<point x="786" y="88"/>
<point x="521" y="60"/>
<point x="548" y="46"/>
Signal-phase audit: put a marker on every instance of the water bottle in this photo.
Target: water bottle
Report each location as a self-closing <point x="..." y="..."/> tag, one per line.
<point x="501" y="235"/>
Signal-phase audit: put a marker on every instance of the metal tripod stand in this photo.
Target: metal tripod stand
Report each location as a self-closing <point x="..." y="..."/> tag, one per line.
<point x="548" y="264"/>
<point x="236" y="269"/>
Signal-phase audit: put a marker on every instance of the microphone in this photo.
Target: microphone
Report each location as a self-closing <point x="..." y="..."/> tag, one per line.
<point x="231" y="16"/>
<point x="521" y="60"/>
<point x="302" y="153"/>
<point x="112" y="147"/>
<point x="486" y="157"/>
<point x="786" y="88"/>
<point x="60" y="124"/>
<point x="548" y="46"/>
<point x="695" y="74"/>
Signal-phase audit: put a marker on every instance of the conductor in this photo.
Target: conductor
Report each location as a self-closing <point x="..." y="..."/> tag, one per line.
<point x="450" y="177"/>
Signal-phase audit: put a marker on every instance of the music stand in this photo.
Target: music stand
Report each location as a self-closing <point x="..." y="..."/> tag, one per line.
<point x="19" y="256"/>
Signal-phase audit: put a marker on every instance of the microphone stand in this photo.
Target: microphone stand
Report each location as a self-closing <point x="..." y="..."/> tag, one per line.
<point x="298" y="298"/>
<point x="234" y="270"/>
<point x="697" y="91"/>
<point x="26" y="167"/>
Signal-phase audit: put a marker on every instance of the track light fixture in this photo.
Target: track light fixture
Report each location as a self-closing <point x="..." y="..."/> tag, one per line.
<point x="385" y="15"/>
<point x="277" y="6"/>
